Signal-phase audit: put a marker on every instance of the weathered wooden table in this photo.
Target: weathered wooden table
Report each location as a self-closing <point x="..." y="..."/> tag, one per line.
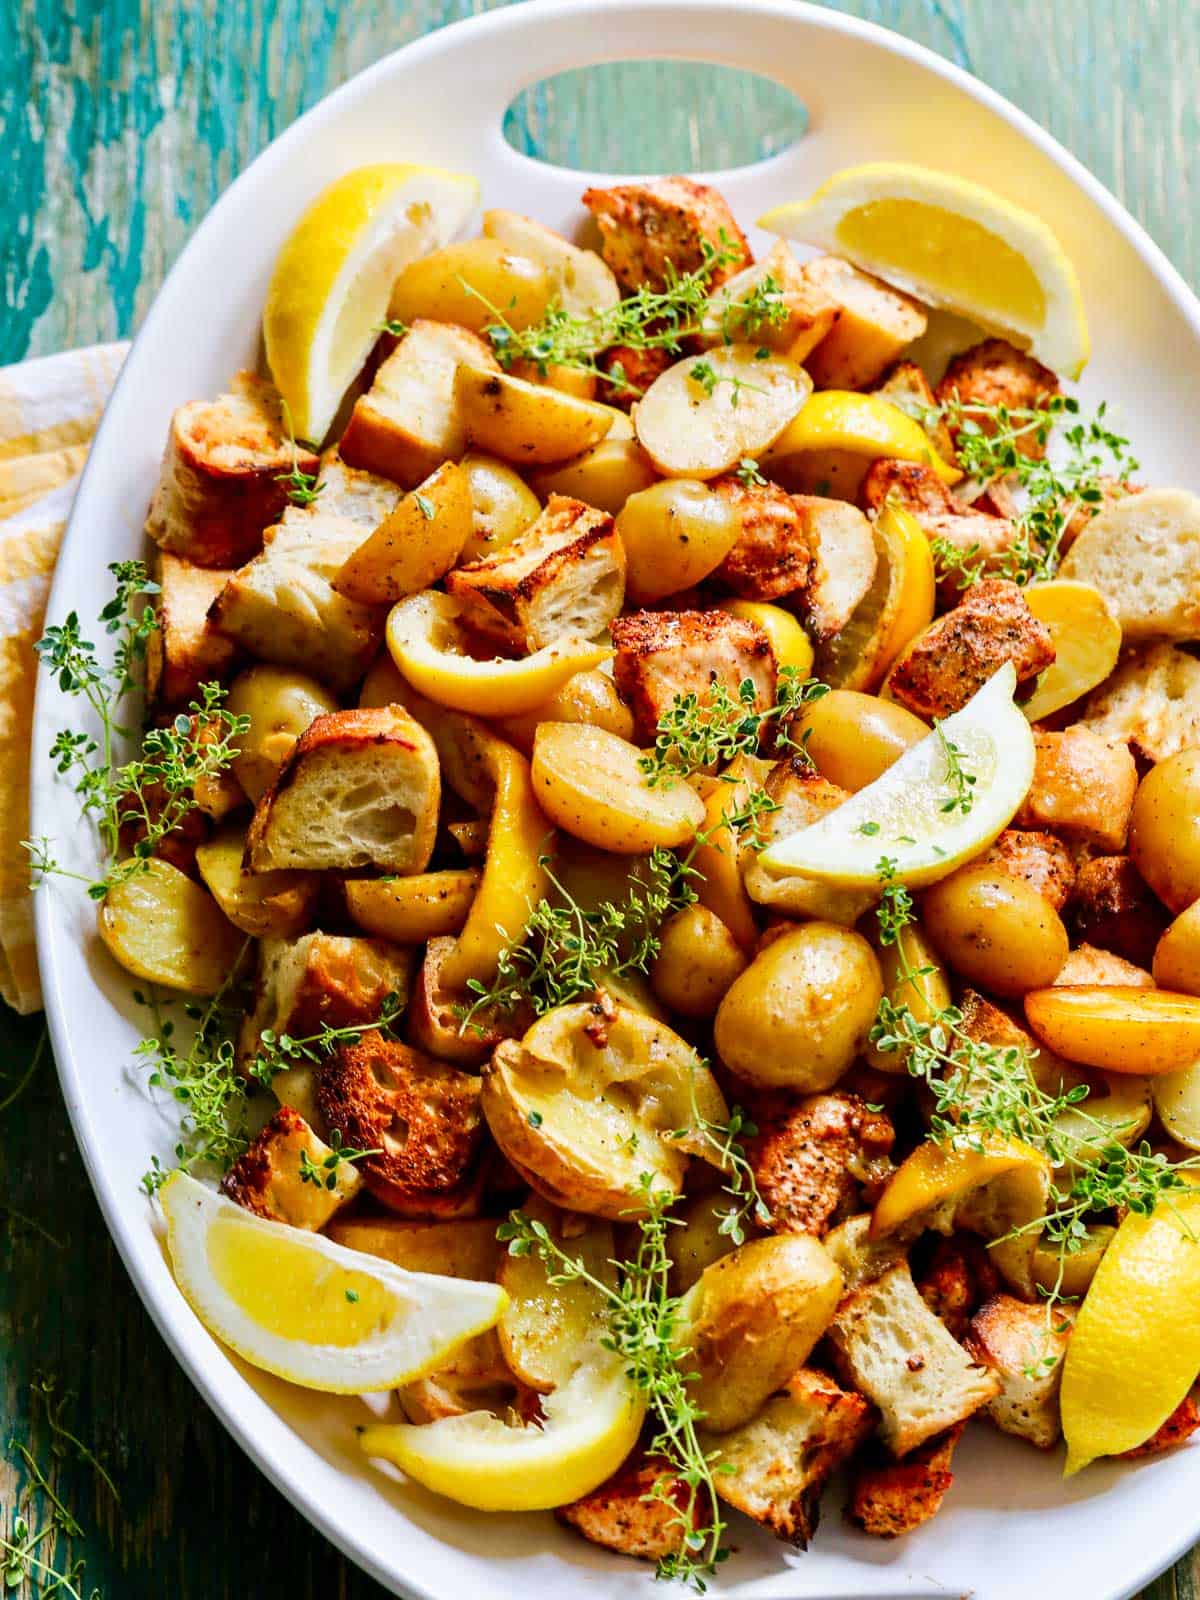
<point x="124" y="120"/>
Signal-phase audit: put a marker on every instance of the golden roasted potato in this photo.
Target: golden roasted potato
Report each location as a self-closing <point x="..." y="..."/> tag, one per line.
<point x="1177" y="1101"/>
<point x="589" y="782"/>
<point x="674" y="534"/>
<point x="702" y="416"/>
<point x="281" y="704"/>
<point x="698" y="959"/>
<point x="1164" y="829"/>
<point x="264" y="904"/>
<point x="412" y="910"/>
<point x="854" y="738"/>
<point x="545" y="1323"/>
<point x="582" y="282"/>
<point x="467" y="1248"/>
<point x="751" y="1321"/>
<point x="589" y="1103"/>
<point x="606" y="476"/>
<point x="589" y="697"/>
<point x="503" y="505"/>
<point x="1177" y="954"/>
<point x="414" y="545"/>
<point x="1117" y="1028"/>
<point x="526" y="422"/>
<point x="994" y="930"/>
<point x="703" y="1238"/>
<point x="1070" y="1273"/>
<point x="163" y="927"/>
<point x="800" y="1012"/>
<point x="474" y="283"/>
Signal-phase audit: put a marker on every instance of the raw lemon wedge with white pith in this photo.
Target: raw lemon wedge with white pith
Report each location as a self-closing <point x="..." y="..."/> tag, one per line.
<point x="333" y="278"/>
<point x="309" y="1310"/>
<point x="1135" y="1349"/>
<point x="860" y="425"/>
<point x="954" y="244"/>
<point x="941" y="803"/>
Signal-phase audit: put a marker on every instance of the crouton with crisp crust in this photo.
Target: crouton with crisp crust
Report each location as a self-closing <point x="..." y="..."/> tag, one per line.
<point x="859" y="1258"/>
<point x="624" y="1516"/>
<point x="995" y="373"/>
<point x="1039" y="859"/>
<point x="1083" y="788"/>
<point x="956" y="1279"/>
<point x="434" y="1024"/>
<point x="1151" y="701"/>
<point x="668" y="223"/>
<point x="802" y="313"/>
<point x="563" y="578"/>
<point x="890" y="1498"/>
<point x="1088" y="965"/>
<point x="1143" y="554"/>
<point x="811" y="1162"/>
<point x="1114" y="908"/>
<point x="661" y="655"/>
<point x="269" y="1180"/>
<point x="359" y="789"/>
<point x="420" y="1117"/>
<point x="976" y="534"/>
<point x="800" y="795"/>
<point x="844" y="559"/>
<point x="771" y="555"/>
<point x="957" y="654"/>
<point x="874" y="324"/>
<point x="219" y="486"/>
<point x="185" y="650"/>
<point x="1024" y="1346"/>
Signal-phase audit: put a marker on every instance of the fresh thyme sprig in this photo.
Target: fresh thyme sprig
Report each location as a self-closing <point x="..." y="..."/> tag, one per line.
<point x="724" y="1139"/>
<point x="697" y="732"/>
<point x="959" y="778"/>
<point x="706" y="375"/>
<point x="277" y="1052"/>
<point x="302" y="487"/>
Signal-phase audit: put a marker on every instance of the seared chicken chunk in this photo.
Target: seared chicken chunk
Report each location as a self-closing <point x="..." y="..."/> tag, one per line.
<point x="1039" y="859"/>
<point x="975" y="534"/>
<point x="1114" y="907"/>
<point x="1082" y="788"/>
<point x="771" y="556"/>
<point x="661" y="655"/>
<point x="623" y="1514"/>
<point x="890" y="1498"/>
<point x="652" y="232"/>
<point x="995" y="373"/>
<point x="811" y="1162"/>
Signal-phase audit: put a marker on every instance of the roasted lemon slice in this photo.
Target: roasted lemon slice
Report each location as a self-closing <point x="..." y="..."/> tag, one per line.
<point x="863" y="425"/>
<point x="309" y="1310"/>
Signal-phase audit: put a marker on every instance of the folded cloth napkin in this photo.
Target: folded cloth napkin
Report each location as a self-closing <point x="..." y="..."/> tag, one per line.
<point x="49" y="410"/>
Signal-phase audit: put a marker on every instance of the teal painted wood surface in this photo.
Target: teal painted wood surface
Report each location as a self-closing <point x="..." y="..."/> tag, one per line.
<point x="122" y="121"/>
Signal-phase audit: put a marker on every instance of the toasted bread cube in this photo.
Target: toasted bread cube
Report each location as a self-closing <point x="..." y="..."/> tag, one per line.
<point x="656" y="231"/>
<point x="1082" y="788"/>
<point x="1024" y="1346"/>
<point x="976" y="534"/>
<point x="1088" y="966"/>
<point x="810" y="1162"/>
<point x="807" y="311"/>
<point x="1039" y="859"/>
<point x="359" y="789"/>
<point x="771" y="555"/>
<point x="434" y="1022"/>
<point x="890" y="1347"/>
<point x="284" y="1175"/>
<point x="1115" y="908"/>
<point x="874" y="324"/>
<point x="563" y="578"/>
<point x="623" y="1514"/>
<point x="957" y="654"/>
<point x="1143" y="554"/>
<point x="890" y="1498"/>
<point x="407" y="423"/>
<point x="219" y="486"/>
<point x="1151" y="701"/>
<point x="419" y="1116"/>
<point x="907" y="387"/>
<point x="801" y="796"/>
<point x="957" y="1278"/>
<point x="661" y="655"/>
<point x="995" y="373"/>
<point x="859" y="1258"/>
<point x="186" y="650"/>
<point x="1176" y="1430"/>
<point x="784" y="1457"/>
<point x="844" y="562"/>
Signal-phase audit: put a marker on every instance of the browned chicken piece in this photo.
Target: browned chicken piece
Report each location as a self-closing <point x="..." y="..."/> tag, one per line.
<point x="648" y="228"/>
<point x="1039" y="859"/>
<point x="956" y="1280"/>
<point x="1089" y="966"/>
<point x="772" y="556"/>
<point x="1176" y="1430"/>
<point x="995" y="373"/>
<point x="906" y="386"/>
<point x="958" y="653"/>
<point x="890" y="1498"/>
<point x="1114" y="907"/>
<point x="974" y="533"/>
<point x="874" y="324"/>
<point x="637" y="371"/>
<point x="621" y="1515"/>
<point x="185" y="650"/>
<point x="663" y="654"/>
<point x="1024" y="1346"/>
<point x="419" y="1116"/>
<point x="1082" y="788"/>
<point x="270" y="1177"/>
<point x="1151" y="700"/>
<point x="811" y="1162"/>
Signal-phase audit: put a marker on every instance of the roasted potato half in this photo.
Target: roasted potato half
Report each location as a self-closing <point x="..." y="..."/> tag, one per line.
<point x="265" y="904"/>
<point x="163" y="927"/>
<point x="546" y="1323"/>
<point x="526" y="422"/>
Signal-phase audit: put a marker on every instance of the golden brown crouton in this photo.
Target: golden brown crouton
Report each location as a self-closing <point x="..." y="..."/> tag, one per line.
<point x="185" y="650"/>
<point x="284" y="1175"/>
<point x="563" y="578"/>
<point x="801" y="795"/>
<point x="976" y="534"/>
<point x="874" y="324"/>
<point x="890" y="1347"/>
<point x="802" y="312"/>
<point x="784" y="1457"/>
<point x="408" y="422"/>
<point x="633" y="371"/>
<point x="623" y="1514"/>
<point x="1088" y="965"/>
<point x="219" y="486"/>
<point x="1151" y="700"/>
<point x="890" y="1498"/>
<point x="1038" y="859"/>
<point x="956" y="1279"/>
<point x="957" y="654"/>
<point x="1143" y="554"/>
<point x="359" y="788"/>
<point x="811" y="1162"/>
<point x="1176" y="1430"/>
<point x="844" y="562"/>
<point x="1114" y="908"/>
<point x="419" y="1116"/>
<point x="653" y="231"/>
<point x="1024" y="1346"/>
<point x="771" y="555"/>
<point x="907" y="387"/>
<point x="661" y="655"/>
<point x="995" y="373"/>
<point x="435" y="1025"/>
<point x="1082" y="788"/>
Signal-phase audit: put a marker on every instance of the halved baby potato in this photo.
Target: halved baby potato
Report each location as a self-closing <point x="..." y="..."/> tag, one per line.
<point x="474" y="283"/>
<point x="589" y="782"/>
<point x="546" y="1322"/>
<point x="528" y="423"/>
<point x="265" y="904"/>
<point x="674" y="533"/>
<point x="464" y="1248"/>
<point x="416" y="543"/>
<point x="1177" y="1101"/>
<point x="163" y="927"/>
<point x="700" y="417"/>
<point x="1118" y="1029"/>
<point x="590" y="697"/>
<point x="594" y="1108"/>
<point x="503" y="506"/>
<point x="604" y="476"/>
<point x="412" y="910"/>
<point x="582" y="281"/>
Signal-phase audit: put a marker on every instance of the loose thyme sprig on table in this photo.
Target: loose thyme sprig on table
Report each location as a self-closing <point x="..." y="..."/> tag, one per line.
<point x="698" y="732"/>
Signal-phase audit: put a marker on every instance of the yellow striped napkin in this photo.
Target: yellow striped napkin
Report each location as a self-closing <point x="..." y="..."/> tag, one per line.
<point x="49" y="410"/>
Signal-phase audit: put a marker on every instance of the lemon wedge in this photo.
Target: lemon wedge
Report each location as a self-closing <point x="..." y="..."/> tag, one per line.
<point x="591" y="1424"/>
<point x="951" y="243"/>
<point x="936" y="1174"/>
<point x="333" y="278"/>
<point x="430" y="647"/>
<point x="309" y="1310"/>
<point x="904" y="814"/>
<point x="1135" y="1350"/>
<point x="861" y="425"/>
